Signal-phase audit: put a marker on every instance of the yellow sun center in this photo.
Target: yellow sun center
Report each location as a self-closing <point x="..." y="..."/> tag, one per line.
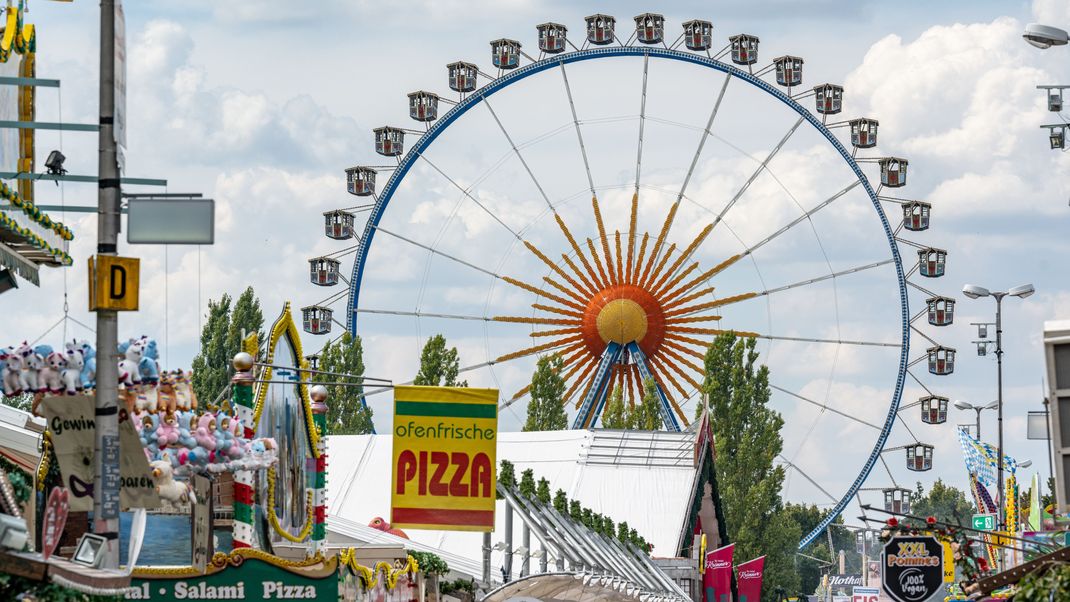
<point x="622" y="321"/>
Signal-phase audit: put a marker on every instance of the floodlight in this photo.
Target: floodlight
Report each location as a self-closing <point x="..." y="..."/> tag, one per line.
<point x="962" y="405"/>
<point x="89" y="550"/>
<point x="1022" y="291"/>
<point x="54" y="163"/>
<point x="973" y="291"/>
<point x="1044" y="36"/>
<point x="993" y="405"/>
<point x="13" y="532"/>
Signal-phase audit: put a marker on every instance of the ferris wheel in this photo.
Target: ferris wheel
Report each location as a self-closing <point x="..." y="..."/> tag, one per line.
<point x="620" y="203"/>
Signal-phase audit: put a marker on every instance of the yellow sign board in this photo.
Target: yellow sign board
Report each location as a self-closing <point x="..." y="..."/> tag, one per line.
<point x="949" y="561"/>
<point x="113" y="283"/>
<point x="445" y="458"/>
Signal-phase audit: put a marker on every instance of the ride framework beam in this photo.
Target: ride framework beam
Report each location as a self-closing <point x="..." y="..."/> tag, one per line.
<point x="667" y="415"/>
<point x="595" y="396"/>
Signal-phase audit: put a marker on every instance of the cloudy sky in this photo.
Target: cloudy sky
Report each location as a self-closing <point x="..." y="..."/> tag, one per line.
<point x="261" y="107"/>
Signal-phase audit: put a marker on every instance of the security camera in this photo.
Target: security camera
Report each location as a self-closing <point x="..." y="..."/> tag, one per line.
<point x="1045" y="36"/>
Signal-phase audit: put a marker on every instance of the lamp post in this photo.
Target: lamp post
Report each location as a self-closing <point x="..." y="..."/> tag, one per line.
<point x="964" y="405"/>
<point x="975" y="292"/>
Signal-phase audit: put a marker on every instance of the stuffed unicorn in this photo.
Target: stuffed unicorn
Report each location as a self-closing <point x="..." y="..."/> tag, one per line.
<point x="10" y="372"/>
<point x="31" y="363"/>
<point x="72" y="374"/>
<point x="169" y="489"/>
<point x="148" y="366"/>
<point x="49" y="375"/>
<point x="129" y="375"/>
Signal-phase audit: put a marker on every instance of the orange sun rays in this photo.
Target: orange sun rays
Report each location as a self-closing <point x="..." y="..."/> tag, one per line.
<point x="623" y="296"/>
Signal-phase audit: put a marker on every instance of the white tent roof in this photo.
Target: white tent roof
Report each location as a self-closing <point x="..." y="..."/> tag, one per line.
<point x="644" y="478"/>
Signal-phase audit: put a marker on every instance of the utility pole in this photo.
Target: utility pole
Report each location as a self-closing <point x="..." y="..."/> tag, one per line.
<point x="106" y="476"/>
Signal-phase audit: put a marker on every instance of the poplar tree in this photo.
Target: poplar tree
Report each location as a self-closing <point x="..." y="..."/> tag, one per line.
<point x="439" y="366"/>
<point x="646" y="416"/>
<point x="211" y="366"/>
<point x="347" y="412"/>
<point x="546" y="410"/>
<point x="616" y="414"/>
<point x="246" y="316"/>
<point x="746" y="433"/>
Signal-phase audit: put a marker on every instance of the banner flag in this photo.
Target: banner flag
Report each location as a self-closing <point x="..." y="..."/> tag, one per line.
<point x="445" y="450"/>
<point x="717" y="580"/>
<point x="749" y="580"/>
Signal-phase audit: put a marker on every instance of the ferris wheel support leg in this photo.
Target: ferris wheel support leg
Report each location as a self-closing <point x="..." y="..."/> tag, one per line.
<point x="667" y="415"/>
<point x="596" y="395"/>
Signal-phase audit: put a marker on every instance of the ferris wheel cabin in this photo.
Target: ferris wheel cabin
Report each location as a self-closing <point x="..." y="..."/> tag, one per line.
<point x="941" y="310"/>
<point x="941" y="360"/>
<point x="916" y="215"/>
<point x="864" y="132"/>
<point x="933" y="409"/>
<point x="360" y="181"/>
<point x="316" y="319"/>
<point x="338" y="224"/>
<point x="462" y="76"/>
<point x="897" y="500"/>
<point x="932" y="262"/>
<point x="893" y="171"/>
<point x="505" y="53"/>
<point x="389" y="141"/>
<point x="650" y="28"/>
<point x="744" y="49"/>
<point x="552" y="37"/>
<point x="698" y="34"/>
<point x="828" y="99"/>
<point x="600" y="29"/>
<point x="423" y="106"/>
<point x="788" y="70"/>
<point x="323" y="271"/>
<point x="920" y="457"/>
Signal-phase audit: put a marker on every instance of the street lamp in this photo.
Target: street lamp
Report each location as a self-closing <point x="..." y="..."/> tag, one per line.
<point x="1025" y="464"/>
<point x="1044" y="36"/>
<point x="975" y="292"/>
<point x="964" y="405"/>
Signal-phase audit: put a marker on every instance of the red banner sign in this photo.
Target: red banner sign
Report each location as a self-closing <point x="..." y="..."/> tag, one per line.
<point x="717" y="580"/>
<point x="749" y="580"/>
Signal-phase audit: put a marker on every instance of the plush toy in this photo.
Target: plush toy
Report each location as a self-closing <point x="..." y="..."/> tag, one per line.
<point x="50" y="377"/>
<point x="10" y="372"/>
<point x="148" y="366"/>
<point x="237" y="431"/>
<point x="150" y="423"/>
<point x="129" y="375"/>
<point x="186" y="427"/>
<point x="31" y="363"/>
<point x="205" y="435"/>
<point x="89" y="366"/>
<point x="382" y="525"/>
<point x="146" y="400"/>
<point x="167" y="432"/>
<point x="184" y="397"/>
<point x="169" y="489"/>
<point x="72" y="374"/>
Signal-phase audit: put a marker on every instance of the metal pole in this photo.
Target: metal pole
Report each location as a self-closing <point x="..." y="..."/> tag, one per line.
<point x="999" y="405"/>
<point x="106" y="488"/>
<point x="978" y="412"/>
<point x="1051" y="446"/>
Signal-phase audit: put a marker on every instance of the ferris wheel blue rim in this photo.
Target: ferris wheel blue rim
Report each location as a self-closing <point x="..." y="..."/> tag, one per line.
<point x="512" y="77"/>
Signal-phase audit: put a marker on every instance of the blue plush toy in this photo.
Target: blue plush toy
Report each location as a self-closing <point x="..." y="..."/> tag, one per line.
<point x="185" y="433"/>
<point x="148" y="366"/>
<point x="89" y="369"/>
<point x="149" y="424"/>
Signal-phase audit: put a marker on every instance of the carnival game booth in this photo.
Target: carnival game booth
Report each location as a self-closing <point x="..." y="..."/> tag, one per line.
<point x="220" y="500"/>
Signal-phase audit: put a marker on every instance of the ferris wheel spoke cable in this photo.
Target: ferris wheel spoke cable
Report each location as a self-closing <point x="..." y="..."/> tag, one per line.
<point x="807" y="477"/>
<point x="642" y="123"/>
<point x="519" y="155"/>
<point x="471" y="197"/>
<point x="801" y="218"/>
<point x="868" y="266"/>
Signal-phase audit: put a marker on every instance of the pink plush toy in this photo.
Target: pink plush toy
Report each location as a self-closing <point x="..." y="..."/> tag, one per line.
<point x="167" y="432"/>
<point x="205" y="434"/>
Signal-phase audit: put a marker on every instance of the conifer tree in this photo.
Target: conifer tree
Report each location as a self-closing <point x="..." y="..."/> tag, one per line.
<point x="546" y="410"/>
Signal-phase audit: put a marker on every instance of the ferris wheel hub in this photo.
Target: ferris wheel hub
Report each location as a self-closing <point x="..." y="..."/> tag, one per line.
<point x="622" y="321"/>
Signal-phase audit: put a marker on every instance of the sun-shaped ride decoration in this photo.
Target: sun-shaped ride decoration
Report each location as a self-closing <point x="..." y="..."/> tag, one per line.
<point x="627" y="316"/>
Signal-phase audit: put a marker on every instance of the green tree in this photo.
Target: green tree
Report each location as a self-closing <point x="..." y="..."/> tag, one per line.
<point x="439" y="366"/>
<point x="22" y="401"/>
<point x="527" y="484"/>
<point x="616" y="414"/>
<point x="546" y="410"/>
<point x="808" y="517"/>
<point x="646" y="416"/>
<point x="945" y="502"/>
<point x="542" y="492"/>
<point x="746" y="433"/>
<point x="347" y="413"/>
<point x="245" y="317"/>
<point x="575" y="511"/>
<point x="561" y="501"/>
<point x="212" y="365"/>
